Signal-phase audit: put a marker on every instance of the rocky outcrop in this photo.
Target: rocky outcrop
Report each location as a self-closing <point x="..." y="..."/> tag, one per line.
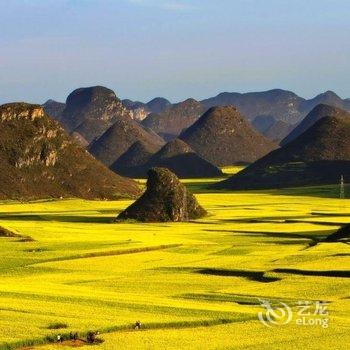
<point x="39" y="160"/>
<point x="139" y="114"/>
<point x="165" y="199"/>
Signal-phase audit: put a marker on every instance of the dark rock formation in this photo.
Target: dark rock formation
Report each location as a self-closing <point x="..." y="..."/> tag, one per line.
<point x="39" y="160"/>
<point x="91" y="111"/>
<point x="342" y="235"/>
<point x="318" y="156"/>
<point x="319" y="112"/>
<point x="165" y="199"/>
<point x="223" y="137"/>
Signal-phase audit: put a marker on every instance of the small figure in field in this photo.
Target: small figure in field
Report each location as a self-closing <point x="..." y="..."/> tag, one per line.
<point x="91" y="337"/>
<point x="75" y="336"/>
<point x="59" y="338"/>
<point x="71" y="336"/>
<point x="137" y="325"/>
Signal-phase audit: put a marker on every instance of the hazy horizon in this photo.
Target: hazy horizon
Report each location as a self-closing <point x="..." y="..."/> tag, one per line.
<point x="175" y="49"/>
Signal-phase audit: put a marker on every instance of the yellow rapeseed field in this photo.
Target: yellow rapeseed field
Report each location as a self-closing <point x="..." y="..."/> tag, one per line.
<point x="195" y="285"/>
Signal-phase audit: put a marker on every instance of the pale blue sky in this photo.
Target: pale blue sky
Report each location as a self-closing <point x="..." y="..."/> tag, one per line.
<point x="172" y="48"/>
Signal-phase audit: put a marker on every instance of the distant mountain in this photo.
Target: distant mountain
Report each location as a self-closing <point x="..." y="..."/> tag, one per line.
<point x="158" y="105"/>
<point x="39" y="160"/>
<point x="278" y="131"/>
<point x="129" y="104"/>
<point x="176" y="156"/>
<point x="174" y="118"/>
<point x="279" y="104"/>
<point x="273" y="129"/>
<point x="319" y="112"/>
<point x="318" y="156"/>
<point x="133" y="162"/>
<point x="140" y="110"/>
<point x="182" y="160"/>
<point x="119" y="137"/>
<point x="263" y="122"/>
<point x="223" y="137"/>
<point x="347" y="104"/>
<point x="328" y="98"/>
<point x="54" y="109"/>
<point x="91" y="111"/>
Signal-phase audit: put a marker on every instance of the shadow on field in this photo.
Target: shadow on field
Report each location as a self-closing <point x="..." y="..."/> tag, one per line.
<point x="258" y="276"/>
<point x="266" y="219"/>
<point x="59" y="218"/>
<point x="241" y="299"/>
<point x="316" y="235"/>
<point x="327" y="273"/>
<point x="322" y="191"/>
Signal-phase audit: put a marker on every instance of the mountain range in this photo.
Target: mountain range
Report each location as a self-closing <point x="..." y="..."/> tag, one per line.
<point x="89" y="112"/>
<point x="284" y="109"/>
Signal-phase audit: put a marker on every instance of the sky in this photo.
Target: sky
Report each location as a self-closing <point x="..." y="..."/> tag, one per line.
<point x="172" y="48"/>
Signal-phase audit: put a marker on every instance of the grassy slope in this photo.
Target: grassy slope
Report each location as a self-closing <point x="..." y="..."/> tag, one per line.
<point x="85" y="271"/>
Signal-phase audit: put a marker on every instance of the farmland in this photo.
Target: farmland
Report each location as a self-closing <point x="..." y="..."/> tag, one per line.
<point x="70" y="268"/>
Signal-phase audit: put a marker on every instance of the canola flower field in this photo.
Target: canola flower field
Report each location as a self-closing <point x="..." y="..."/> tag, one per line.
<point x="68" y="267"/>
